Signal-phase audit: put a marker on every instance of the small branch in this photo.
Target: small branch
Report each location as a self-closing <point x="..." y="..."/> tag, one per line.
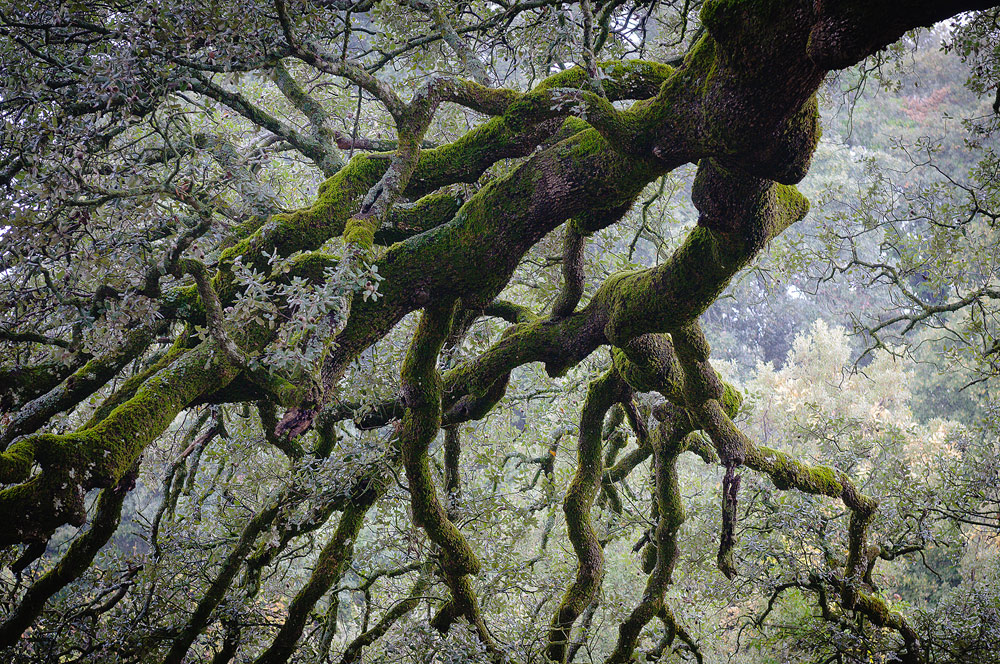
<point x="602" y="394"/>
<point x="354" y="649"/>
<point x="283" y="392"/>
<point x="470" y="61"/>
<point x="319" y="119"/>
<point x="574" y="243"/>
<point x="32" y="338"/>
<point x="727" y="538"/>
<point x="589" y="61"/>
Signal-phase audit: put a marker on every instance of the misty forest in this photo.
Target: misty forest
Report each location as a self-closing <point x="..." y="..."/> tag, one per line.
<point x="500" y="331"/>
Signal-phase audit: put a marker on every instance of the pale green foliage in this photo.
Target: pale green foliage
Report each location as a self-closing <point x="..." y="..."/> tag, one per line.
<point x="310" y="313"/>
<point x="820" y="405"/>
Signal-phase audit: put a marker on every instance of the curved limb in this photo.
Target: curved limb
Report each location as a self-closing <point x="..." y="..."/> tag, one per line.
<point x="421" y="422"/>
<point x="602" y="394"/>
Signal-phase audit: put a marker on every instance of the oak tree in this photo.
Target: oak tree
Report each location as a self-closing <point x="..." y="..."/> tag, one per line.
<point x="294" y="243"/>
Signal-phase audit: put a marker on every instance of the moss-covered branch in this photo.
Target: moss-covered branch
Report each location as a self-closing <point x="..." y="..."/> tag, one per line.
<point x="602" y="394"/>
<point x="787" y="473"/>
<point x="421" y="421"/>
<point x="79" y="385"/>
<point x="670" y="509"/>
<point x="721" y="108"/>
<point x="327" y="571"/>
<point x="277" y="388"/>
<point x="569" y="296"/>
<point x="100" y="455"/>
<point x="74" y="562"/>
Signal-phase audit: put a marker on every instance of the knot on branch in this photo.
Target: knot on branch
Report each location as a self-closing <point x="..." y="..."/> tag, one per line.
<point x="649" y="364"/>
<point x="727" y="199"/>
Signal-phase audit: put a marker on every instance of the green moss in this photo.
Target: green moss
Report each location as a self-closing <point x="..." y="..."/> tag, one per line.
<point x="311" y="266"/>
<point x="16" y="462"/>
<point x="787" y="473"/>
<point x="732" y="399"/>
<point x="742" y="50"/>
<point x="131" y="384"/>
<point x="281" y="391"/>
<point x="789" y="207"/>
<point x="100" y="455"/>
<point x="700" y="65"/>
<point x="422" y="388"/>
<point x="403" y="221"/>
<point x="621" y="79"/>
<point x="465" y="159"/>
<point x="639" y="379"/>
<point x="360" y="232"/>
<point x="683" y="286"/>
<point x="824" y="479"/>
<point x="656" y="299"/>
<point x="651" y="367"/>
<point x="114" y="443"/>
<point x="510" y="135"/>
<point x="308" y="228"/>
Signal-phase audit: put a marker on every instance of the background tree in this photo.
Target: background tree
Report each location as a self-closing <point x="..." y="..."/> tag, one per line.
<point x="269" y="262"/>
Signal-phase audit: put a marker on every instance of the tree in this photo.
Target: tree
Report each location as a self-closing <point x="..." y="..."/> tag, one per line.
<point x="171" y="278"/>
